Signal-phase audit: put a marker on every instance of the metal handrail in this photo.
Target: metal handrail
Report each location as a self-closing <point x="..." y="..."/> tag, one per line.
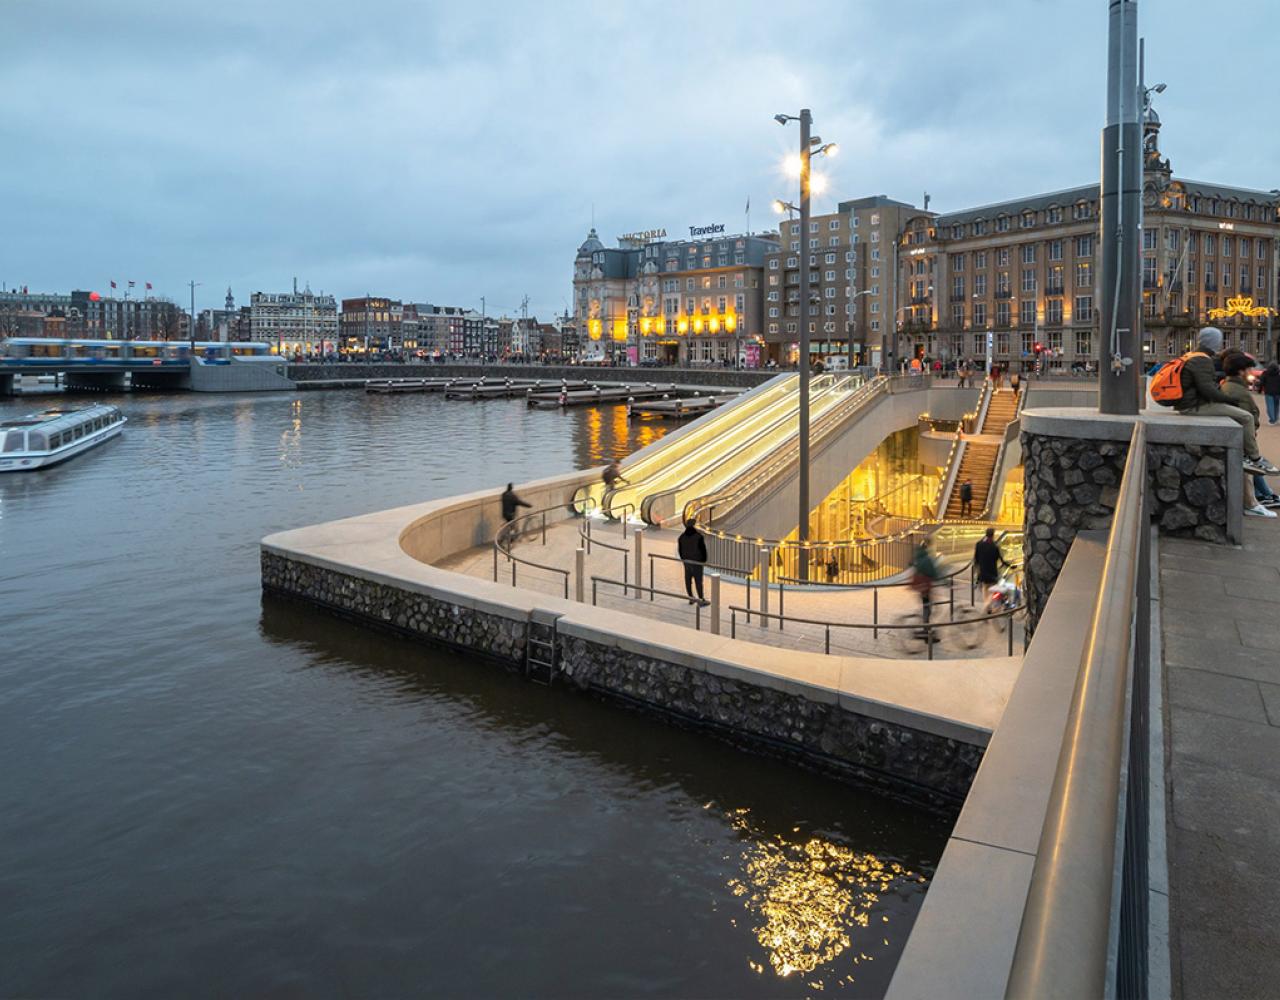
<point x="628" y="587"/>
<point x="1072" y="910"/>
<point x="787" y="453"/>
<point x="927" y="627"/>
<point x="509" y="532"/>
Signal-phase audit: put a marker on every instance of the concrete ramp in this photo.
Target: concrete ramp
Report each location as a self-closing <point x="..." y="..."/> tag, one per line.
<point x="241" y="375"/>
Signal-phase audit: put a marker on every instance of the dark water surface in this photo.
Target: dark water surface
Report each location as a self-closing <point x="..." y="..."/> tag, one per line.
<point x="205" y="793"/>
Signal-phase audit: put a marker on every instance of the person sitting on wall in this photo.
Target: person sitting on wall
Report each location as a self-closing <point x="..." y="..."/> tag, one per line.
<point x="1201" y="397"/>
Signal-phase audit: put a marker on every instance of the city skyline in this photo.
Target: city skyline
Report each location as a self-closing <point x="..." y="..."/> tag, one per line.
<point x="278" y="146"/>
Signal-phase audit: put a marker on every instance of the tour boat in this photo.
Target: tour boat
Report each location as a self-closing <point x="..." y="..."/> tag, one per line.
<point x="52" y="436"/>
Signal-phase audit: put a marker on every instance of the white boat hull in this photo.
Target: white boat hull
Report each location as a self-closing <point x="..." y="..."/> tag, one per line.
<point x="30" y="461"/>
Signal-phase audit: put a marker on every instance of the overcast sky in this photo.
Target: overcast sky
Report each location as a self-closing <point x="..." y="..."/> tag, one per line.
<point x="447" y="151"/>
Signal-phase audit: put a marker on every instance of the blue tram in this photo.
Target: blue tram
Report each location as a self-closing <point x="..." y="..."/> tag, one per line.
<point x="51" y="352"/>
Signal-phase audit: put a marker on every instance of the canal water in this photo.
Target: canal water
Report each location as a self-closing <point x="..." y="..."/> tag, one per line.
<point x="209" y="793"/>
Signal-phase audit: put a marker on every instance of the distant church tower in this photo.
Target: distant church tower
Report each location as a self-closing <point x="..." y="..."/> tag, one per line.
<point x="231" y="302"/>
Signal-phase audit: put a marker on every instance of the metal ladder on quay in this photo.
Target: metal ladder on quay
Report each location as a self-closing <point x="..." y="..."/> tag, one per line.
<point x="540" y="647"/>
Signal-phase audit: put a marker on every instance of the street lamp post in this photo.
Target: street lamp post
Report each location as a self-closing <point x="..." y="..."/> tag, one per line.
<point x="807" y="144"/>
<point x="193" y="285"/>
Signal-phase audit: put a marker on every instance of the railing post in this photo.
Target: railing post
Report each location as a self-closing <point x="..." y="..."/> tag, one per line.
<point x="765" y="559"/>
<point x="639" y="564"/>
<point x="650" y="576"/>
<point x="951" y="590"/>
<point x="875" y="613"/>
<point x="782" y="590"/>
<point x="715" y="602"/>
<point x="733" y="623"/>
<point x="588" y="534"/>
<point x="495" y="562"/>
<point x="580" y="569"/>
<point x="593" y="591"/>
<point x="513" y="572"/>
<point x="544" y="527"/>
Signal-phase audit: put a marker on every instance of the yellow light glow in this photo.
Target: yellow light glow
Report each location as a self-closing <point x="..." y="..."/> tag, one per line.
<point x="779" y="207"/>
<point x="791" y="165"/>
<point x="593" y="328"/>
<point x="619" y="329"/>
<point x="818" y="183"/>
<point x="661" y="325"/>
<point x="697" y="326"/>
<point x="644" y="325"/>
<point x="682" y="325"/>
<point x="731" y="322"/>
<point x="1240" y="306"/>
<point x="714" y="325"/>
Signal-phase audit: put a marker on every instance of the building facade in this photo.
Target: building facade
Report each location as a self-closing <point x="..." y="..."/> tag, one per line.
<point x="294" y="322"/>
<point x="1018" y="281"/>
<point x="370" y="324"/>
<point x="696" y="301"/>
<point x="89" y="315"/>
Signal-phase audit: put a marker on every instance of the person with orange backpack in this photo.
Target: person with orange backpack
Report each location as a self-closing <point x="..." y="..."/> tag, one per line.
<point x="1190" y="385"/>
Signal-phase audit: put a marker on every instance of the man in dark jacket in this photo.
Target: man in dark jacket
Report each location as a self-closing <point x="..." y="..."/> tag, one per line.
<point x="987" y="559"/>
<point x="692" y="548"/>
<point x="966" y="498"/>
<point x="1201" y="397"/>
<point x="510" y="502"/>
<point x="1271" y="390"/>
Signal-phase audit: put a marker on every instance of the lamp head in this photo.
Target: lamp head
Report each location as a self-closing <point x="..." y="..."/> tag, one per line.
<point x="1159" y="88"/>
<point x="782" y="119"/>
<point x="778" y="206"/>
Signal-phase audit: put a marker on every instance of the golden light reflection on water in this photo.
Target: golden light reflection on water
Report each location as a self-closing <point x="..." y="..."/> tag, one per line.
<point x="807" y="898"/>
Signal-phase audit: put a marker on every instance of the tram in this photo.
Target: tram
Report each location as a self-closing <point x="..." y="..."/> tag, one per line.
<point x="45" y="352"/>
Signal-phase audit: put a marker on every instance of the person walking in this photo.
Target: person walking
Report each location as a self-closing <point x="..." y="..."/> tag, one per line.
<point x="996" y="375"/>
<point x="1202" y="397"/>
<point x="692" y="549"/>
<point x="925" y="572"/>
<point x="510" y="501"/>
<point x="1015" y="383"/>
<point x="1234" y="366"/>
<point x="987" y="559"/>
<point x="1271" y="391"/>
<point x="612" y="476"/>
<point x="966" y="498"/>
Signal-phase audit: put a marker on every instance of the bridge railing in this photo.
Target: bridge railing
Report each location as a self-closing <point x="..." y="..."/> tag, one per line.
<point x="1083" y="930"/>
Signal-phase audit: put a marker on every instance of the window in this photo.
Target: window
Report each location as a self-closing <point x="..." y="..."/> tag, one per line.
<point x="979" y="314"/>
<point x="1002" y="341"/>
<point x="829" y="276"/>
<point x="1262" y="250"/>
<point x="1082" y="210"/>
<point x="1053" y="312"/>
<point x="875" y="236"/>
<point x="1027" y="312"/>
<point x="831" y="258"/>
<point x="1084" y="274"/>
<point x="834" y="241"/>
<point x="1002" y="314"/>
<point x="739" y="281"/>
<point x="979" y="284"/>
<point x="957" y="315"/>
<point x="833" y="224"/>
<point x="773" y="312"/>
<point x="773" y="263"/>
<point x="688" y="284"/>
<point x="1149" y="239"/>
<point x="1002" y="284"/>
<point x="1084" y="343"/>
<point x="1053" y="216"/>
<point x="813" y="227"/>
<point x="1028" y="342"/>
<point x="1226" y="246"/>
<point x="1173" y="240"/>
<point x="1055" y="280"/>
<point x="1002" y="224"/>
<point x="1055" y="250"/>
<point x="813" y="244"/>
<point x="979" y="227"/>
<point x="1028" y="220"/>
<point x="793" y="261"/>
<point x="1210" y="244"/>
<point x="722" y="281"/>
<point x="1029" y="280"/>
<point x="875" y="325"/>
<point x="1002" y="257"/>
<point x="980" y="260"/>
<point x="957" y="286"/>
<point x="830" y="293"/>
<point x="1226" y="277"/>
<point x="957" y="232"/>
<point x="1083" y="311"/>
<point x="1084" y="246"/>
<point x="957" y="262"/>
<point x="1028" y="253"/>
<point x="1148" y="272"/>
<point x="739" y="302"/>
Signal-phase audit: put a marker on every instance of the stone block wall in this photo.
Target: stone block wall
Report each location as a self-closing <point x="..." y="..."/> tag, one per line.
<point x="727" y="377"/>
<point x="896" y="760"/>
<point x="1071" y="484"/>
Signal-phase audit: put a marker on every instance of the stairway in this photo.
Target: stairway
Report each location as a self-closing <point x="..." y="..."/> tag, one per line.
<point x="979" y="460"/>
<point x="1002" y="409"/>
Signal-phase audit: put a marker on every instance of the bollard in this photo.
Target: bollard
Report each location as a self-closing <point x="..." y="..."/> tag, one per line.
<point x="764" y="585"/>
<point x="580" y="574"/>
<point x="639" y="563"/>
<point x="715" y="603"/>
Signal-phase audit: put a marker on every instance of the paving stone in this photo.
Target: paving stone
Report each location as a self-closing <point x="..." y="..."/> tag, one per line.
<point x="1236" y="661"/>
<point x="1217" y="693"/>
<point x="1271" y="702"/>
<point x="1242" y="808"/>
<point x="1235" y="569"/>
<point x="1249" y="747"/>
<point x="1219" y="628"/>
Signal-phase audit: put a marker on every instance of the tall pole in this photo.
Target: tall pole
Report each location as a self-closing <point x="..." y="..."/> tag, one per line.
<point x="806" y="121"/>
<point x="1118" y="374"/>
<point x="193" y="284"/>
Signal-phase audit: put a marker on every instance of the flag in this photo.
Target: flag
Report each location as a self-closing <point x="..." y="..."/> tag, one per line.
<point x="748" y="205"/>
<point x="148" y="286"/>
<point x="113" y="284"/>
<point x="132" y="283"/>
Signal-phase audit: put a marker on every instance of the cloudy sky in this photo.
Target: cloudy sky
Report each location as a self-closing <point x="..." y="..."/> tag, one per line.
<point x="447" y="151"/>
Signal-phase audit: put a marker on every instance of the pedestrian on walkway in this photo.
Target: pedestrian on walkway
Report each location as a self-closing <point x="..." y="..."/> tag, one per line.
<point x="987" y="559"/>
<point x="1015" y="383"/>
<point x="510" y="501"/>
<point x="612" y="476"/>
<point x="692" y="549"/>
<point x="1234" y="366"/>
<point x="996" y="375"/>
<point x="966" y="498"/>
<point x="1201" y="397"/>
<point x="1271" y="390"/>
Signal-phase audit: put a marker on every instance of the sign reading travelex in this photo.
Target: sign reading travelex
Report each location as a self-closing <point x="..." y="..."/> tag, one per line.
<point x="711" y="230"/>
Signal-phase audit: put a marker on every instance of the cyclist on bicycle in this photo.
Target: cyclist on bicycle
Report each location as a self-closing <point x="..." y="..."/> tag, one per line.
<point x="925" y="572"/>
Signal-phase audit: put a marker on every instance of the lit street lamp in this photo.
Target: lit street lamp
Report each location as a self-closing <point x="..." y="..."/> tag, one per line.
<point x="809" y="145"/>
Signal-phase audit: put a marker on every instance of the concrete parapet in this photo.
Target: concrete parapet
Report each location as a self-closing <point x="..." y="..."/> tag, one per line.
<point x="728" y="377"/>
<point x="241" y="375"/>
<point x="1074" y="460"/>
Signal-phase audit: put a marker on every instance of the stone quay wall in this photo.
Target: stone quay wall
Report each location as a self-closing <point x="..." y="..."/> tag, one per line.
<point x="715" y="377"/>
<point x="894" y="759"/>
<point x="1072" y="473"/>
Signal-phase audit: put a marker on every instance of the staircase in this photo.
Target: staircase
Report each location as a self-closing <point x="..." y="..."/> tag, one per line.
<point x="978" y="463"/>
<point x="1002" y="409"/>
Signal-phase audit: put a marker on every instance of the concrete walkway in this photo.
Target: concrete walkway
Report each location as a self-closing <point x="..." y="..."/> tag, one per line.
<point x="848" y="606"/>
<point x="1220" y="615"/>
